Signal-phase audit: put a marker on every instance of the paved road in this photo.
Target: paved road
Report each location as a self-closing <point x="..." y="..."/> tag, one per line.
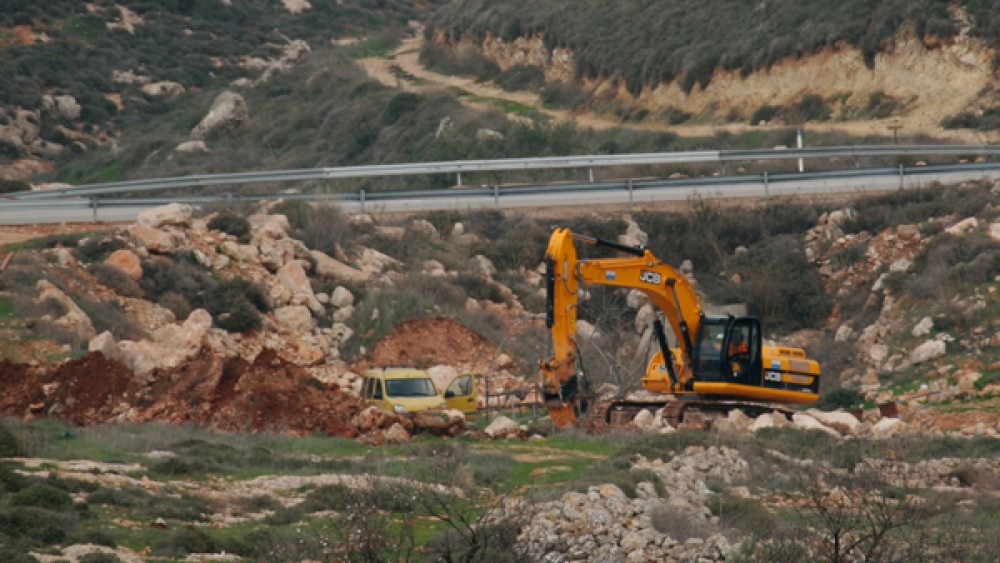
<point x="57" y="211"/>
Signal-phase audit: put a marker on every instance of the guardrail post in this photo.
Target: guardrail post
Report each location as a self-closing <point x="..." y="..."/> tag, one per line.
<point x="591" y="171"/>
<point x="459" y="174"/>
<point x="93" y="205"/>
<point x="362" y="201"/>
<point x="901" y="176"/>
<point x="229" y="201"/>
<point x="496" y="195"/>
<point x="767" y="188"/>
<point x="630" y="195"/>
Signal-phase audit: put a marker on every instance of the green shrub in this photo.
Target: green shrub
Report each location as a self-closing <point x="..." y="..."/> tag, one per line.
<point x="231" y="224"/>
<point x="98" y="248"/>
<point x="43" y="496"/>
<point x="115" y="279"/>
<point x="764" y="113"/>
<point x="10" y="444"/>
<point x="242" y="317"/>
<point x="521" y="77"/>
<point x="183" y="541"/>
<point x="8" y="186"/>
<point x="842" y="398"/>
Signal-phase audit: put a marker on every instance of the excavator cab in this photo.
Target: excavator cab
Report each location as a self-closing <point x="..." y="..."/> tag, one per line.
<point x="728" y="349"/>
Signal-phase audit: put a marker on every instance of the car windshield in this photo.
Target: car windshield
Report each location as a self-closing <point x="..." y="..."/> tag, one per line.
<point x="409" y="388"/>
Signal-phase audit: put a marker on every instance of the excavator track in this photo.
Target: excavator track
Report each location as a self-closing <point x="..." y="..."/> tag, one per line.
<point x="683" y="414"/>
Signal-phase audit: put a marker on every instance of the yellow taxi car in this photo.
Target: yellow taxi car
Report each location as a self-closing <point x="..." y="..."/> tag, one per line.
<point x="406" y="390"/>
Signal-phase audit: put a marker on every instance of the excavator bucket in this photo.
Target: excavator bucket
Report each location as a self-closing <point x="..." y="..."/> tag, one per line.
<point x="562" y="416"/>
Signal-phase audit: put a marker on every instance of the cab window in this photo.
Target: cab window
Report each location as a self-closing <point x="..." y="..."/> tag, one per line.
<point x="460" y="387"/>
<point x="710" y="351"/>
<point x="376" y="389"/>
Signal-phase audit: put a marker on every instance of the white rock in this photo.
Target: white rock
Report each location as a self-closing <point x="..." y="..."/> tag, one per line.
<point x="229" y="110"/>
<point x="502" y="427"/>
<point x="192" y="146"/>
<point x="901" y="265"/>
<point x="174" y="214"/>
<point x="341" y="297"/>
<point x="643" y="420"/>
<point x="483" y="266"/>
<point x="336" y="270"/>
<point x="843" y="422"/>
<point x="342" y="314"/>
<point x="293" y="276"/>
<point x="886" y="427"/>
<point x="928" y="351"/>
<point x="586" y="330"/>
<point x="923" y="328"/>
<point x="105" y="344"/>
<point x="963" y="226"/>
<point x="877" y="353"/>
<point x="806" y="422"/>
<point x="297" y="318"/>
<point x="844" y="333"/>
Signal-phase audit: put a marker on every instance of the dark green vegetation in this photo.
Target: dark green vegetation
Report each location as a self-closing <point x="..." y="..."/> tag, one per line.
<point x="368" y="517"/>
<point x="645" y="42"/>
<point x="179" y="41"/>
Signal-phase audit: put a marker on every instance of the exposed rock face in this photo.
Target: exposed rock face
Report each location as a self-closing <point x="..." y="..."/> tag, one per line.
<point x="950" y="77"/>
<point x="229" y="110"/>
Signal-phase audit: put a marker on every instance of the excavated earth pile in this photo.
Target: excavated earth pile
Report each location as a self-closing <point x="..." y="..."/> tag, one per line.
<point x="232" y="394"/>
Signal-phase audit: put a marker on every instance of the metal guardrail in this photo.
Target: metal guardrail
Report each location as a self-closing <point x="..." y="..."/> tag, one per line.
<point x="493" y="194"/>
<point x="510" y="164"/>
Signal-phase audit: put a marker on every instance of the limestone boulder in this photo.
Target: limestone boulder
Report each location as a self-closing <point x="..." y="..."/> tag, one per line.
<point x="153" y="239"/>
<point x="174" y="214"/>
<point x="843" y="422"/>
<point x="928" y="351"/>
<point x="805" y="422"/>
<point x="396" y="434"/>
<point x="229" y="110"/>
<point x="644" y="420"/>
<point x="341" y="297"/>
<point x="769" y="420"/>
<point x="335" y="270"/>
<point x="74" y="318"/>
<point x="271" y="226"/>
<point x="483" y="266"/>
<point x="105" y="344"/>
<point x="296" y="318"/>
<point x="293" y="276"/>
<point x="126" y="261"/>
<point x="502" y="427"/>
<point x="373" y="263"/>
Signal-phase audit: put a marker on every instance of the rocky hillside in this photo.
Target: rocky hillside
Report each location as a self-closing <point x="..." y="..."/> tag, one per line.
<point x="925" y="64"/>
<point x="893" y="294"/>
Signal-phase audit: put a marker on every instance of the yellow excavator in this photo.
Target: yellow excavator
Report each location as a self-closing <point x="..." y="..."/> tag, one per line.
<point x="719" y="364"/>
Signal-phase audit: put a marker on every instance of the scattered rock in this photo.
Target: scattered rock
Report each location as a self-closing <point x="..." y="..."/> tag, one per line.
<point x="229" y="110"/>
<point x="126" y="261"/>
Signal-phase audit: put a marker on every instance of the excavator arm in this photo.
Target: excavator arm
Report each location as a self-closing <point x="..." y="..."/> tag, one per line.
<point x="667" y="288"/>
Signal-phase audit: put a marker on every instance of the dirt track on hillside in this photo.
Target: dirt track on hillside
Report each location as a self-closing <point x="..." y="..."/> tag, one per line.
<point x="406" y="58"/>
